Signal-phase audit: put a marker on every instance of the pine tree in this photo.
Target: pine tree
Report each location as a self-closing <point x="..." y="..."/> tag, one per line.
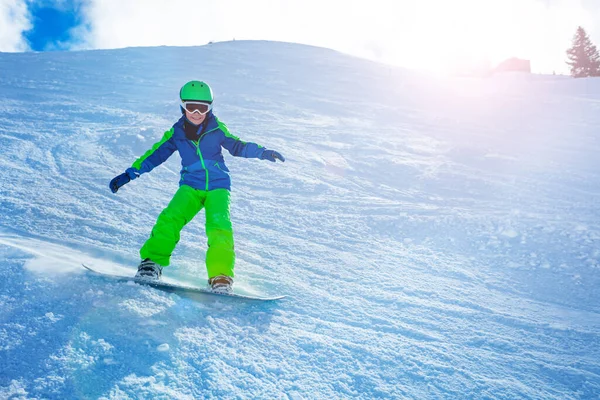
<point x="583" y="56"/>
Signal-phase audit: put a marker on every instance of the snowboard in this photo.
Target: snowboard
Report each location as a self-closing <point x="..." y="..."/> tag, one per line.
<point x="177" y="288"/>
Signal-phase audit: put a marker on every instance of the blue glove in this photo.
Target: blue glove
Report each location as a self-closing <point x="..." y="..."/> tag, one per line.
<point x="271" y="155"/>
<point x="120" y="180"/>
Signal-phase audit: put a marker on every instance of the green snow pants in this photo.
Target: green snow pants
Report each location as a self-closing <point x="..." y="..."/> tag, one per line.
<point x="187" y="202"/>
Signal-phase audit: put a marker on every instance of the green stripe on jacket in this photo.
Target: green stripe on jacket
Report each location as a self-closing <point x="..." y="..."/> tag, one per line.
<point x="137" y="164"/>
<point x="225" y="130"/>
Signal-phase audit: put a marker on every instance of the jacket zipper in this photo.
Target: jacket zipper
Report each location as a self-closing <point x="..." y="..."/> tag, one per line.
<point x="197" y="144"/>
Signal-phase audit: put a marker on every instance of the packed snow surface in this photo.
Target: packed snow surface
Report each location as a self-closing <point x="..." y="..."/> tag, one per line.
<point x="436" y="237"/>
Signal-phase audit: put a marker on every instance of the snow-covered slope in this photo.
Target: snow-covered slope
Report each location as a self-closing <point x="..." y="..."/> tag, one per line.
<point x="436" y="238"/>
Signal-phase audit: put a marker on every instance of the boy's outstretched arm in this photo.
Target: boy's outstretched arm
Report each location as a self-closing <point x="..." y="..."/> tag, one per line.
<point x="158" y="154"/>
<point x="239" y="148"/>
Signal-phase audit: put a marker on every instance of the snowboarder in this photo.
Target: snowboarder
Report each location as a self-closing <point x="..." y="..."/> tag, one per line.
<point x="205" y="183"/>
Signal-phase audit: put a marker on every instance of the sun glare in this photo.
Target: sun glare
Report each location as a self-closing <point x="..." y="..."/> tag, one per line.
<point x="463" y="36"/>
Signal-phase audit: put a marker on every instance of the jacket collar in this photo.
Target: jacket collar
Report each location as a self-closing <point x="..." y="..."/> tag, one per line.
<point x="209" y="124"/>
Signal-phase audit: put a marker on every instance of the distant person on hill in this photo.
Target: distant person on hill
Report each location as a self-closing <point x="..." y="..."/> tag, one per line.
<point x="198" y="136"/>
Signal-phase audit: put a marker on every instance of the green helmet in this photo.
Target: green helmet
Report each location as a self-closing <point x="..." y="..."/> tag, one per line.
<point x="196" y="91"/>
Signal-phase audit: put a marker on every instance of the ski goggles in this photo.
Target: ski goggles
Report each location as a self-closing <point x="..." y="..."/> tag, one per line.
<point x="199" y="107"/>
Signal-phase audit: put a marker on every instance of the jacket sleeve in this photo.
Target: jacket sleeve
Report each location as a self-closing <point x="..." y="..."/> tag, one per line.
<point x="158" y="154"/>
<point x="237" y="147"/>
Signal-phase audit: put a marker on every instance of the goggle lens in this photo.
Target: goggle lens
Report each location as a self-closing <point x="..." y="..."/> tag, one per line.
<point x="200" y="108"/>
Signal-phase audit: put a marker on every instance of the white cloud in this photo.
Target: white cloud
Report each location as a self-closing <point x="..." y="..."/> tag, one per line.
<point x="14" y="20"/>
<point x="122" y="23"/>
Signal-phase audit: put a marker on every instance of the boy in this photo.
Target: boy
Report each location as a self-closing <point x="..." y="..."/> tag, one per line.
<point x="198" y="136"/>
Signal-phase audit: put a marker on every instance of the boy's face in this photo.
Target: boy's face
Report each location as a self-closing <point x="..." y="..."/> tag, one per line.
<point x="195" y="118"/>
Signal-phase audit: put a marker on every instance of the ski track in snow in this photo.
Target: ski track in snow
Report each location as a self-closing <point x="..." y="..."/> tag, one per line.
<point x="436" y="238"/>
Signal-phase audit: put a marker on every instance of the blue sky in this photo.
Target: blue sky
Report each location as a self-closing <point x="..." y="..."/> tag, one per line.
<point x="52" y="24"/>
<point x="428" y="34"/>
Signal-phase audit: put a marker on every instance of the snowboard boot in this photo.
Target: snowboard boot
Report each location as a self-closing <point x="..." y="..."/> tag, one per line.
<point x="149" y="270"/>
<point x="221" y="284"/>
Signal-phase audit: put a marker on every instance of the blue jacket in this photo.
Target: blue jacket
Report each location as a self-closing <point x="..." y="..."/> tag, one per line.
<point x="202" y="163"/>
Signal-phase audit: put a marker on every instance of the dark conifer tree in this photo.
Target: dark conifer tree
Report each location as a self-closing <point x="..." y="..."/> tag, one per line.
<point x="583" y="56"/>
